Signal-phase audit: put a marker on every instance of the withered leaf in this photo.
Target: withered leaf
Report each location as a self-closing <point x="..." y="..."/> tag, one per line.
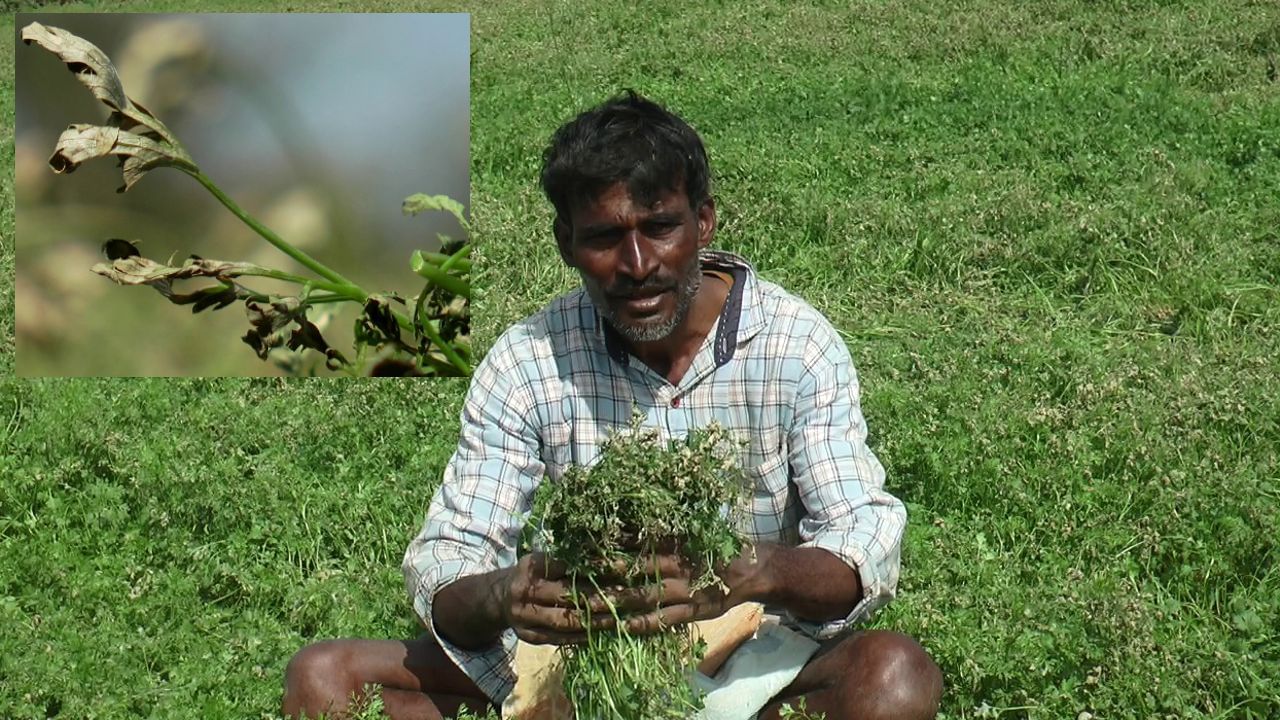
<point x="267" y="322"/>
<point x="95" y="71"/>
<point x="138" y="270"/>
<point x="137" y="153"/>
<point x="133" y="269"/>
<point x="216" y="297"/>
<point x="270" y="329"/>
<point x="119" y="248"/>
<point x="131" y="133"/>
<point x="377" y="323"/>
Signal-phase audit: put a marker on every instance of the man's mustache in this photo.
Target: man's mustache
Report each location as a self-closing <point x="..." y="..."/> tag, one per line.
<point x="628" y="288"/>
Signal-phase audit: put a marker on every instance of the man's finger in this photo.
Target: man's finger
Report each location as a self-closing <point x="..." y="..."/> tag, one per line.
<point x="652" y="566"/>
<point x="551" y="593"/>
<point x="661" y="619"/>
<point x="544" y="567"/>
<point x="548" y="637"/>
<point x="556" y="619"/>
<point x="644" y="598"/>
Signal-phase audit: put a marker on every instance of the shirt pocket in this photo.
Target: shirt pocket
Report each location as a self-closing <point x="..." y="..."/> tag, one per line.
<point x="772" y="510"/>
<point x="767" y="474"/>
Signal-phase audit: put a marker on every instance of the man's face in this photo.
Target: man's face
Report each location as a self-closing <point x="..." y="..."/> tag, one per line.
<point x="638" y="263"/>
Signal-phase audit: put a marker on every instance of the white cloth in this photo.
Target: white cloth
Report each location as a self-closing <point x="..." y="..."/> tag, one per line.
<point x="757" y="671"/>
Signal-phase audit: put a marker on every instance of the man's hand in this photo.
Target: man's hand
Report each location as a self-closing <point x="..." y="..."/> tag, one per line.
<point x="532" y="597"/>
<point x="538" y="603"/>
<point x="652" y="607"/>
<point x="811" y="583"/>
<point x="536" y="599"/>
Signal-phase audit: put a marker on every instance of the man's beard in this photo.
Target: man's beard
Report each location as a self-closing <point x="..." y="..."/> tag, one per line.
<point x="686" y="290"/>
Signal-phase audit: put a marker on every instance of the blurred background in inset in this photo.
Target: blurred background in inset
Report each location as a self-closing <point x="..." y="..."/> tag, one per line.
<point x="318" y="125"/>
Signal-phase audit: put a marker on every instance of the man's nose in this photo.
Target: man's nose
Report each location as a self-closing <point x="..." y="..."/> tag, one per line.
<point x="637" y="261"/>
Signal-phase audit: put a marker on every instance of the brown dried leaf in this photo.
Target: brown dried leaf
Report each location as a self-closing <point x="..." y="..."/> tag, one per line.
<point x="138" y="154"/>
<point x="267" y="321"/>
<point x="138" y="270"/>
<point x="377" y="323"/>
<point x="131" y="133"/>
<point x="270" y="329"/>
<point x="95" y="71"/>
<point x="130" y="268"/>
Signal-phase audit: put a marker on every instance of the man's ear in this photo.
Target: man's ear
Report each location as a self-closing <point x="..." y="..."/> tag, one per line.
<point x="564" y="240"/>
<point x="706" y="222"/>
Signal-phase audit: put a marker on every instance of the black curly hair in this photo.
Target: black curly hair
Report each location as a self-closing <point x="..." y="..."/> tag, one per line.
<point x="625" y="139"/>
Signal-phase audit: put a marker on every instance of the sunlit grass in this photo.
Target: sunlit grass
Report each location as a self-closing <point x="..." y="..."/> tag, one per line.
<point x="1048" y="233"/>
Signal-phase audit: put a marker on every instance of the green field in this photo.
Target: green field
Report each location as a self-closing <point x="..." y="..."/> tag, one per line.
<point x="1049" y="233"/>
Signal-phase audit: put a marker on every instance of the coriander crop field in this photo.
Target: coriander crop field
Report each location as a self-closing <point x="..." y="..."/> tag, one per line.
<point x="1049" y="233"/>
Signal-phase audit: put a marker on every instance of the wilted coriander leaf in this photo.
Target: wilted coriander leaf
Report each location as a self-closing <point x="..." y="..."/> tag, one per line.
<point x="132" y="133"/>
<point x="128" y="267"/>
<point x="270" y="329"/>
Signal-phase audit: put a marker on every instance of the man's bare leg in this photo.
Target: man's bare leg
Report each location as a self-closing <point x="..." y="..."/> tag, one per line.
<point x="419" y="681"/>
<point x="869" y="675"/>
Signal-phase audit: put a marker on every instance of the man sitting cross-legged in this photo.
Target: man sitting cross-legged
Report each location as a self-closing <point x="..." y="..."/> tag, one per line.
<point x="689" y="336"/>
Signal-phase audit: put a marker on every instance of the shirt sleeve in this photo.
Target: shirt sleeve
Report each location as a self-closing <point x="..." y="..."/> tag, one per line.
<point x="475" y="517"/>
<point x="840" y="481"/>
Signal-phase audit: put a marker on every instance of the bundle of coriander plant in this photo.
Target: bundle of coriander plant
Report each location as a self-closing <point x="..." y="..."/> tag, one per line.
<point x="643" y="497"/>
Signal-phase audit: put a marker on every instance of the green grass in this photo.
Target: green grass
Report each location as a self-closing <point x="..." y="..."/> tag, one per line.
<point x="168" y="545"/>
<point x="7" y="202"/>
<point x="1048" y="233"/>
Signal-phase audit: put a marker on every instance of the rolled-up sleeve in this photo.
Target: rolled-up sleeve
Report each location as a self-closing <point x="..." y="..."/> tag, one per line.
<point x="474" y="520"/>
<point x="840" y="481"/>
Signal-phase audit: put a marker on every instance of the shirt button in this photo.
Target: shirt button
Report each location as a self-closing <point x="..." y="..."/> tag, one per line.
<point x="675" y="401"/>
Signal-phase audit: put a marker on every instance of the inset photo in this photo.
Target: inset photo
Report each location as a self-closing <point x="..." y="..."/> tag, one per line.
<point x="242" y="194"/>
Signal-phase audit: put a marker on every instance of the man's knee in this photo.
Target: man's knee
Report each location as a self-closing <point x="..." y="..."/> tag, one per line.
<point x="318" y="680"/>
<point x="892" y="676"/>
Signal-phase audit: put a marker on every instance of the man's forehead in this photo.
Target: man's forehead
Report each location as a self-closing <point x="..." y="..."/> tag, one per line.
<point x="619" y="197"/>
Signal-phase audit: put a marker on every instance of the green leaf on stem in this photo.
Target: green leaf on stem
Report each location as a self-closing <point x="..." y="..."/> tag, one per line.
<point x="421" y="202"/>
<point x="440" y="277"/>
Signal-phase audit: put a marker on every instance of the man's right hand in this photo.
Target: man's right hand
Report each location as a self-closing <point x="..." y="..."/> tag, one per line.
<point x="534" y="598"/>
<point x="539" y="604"/>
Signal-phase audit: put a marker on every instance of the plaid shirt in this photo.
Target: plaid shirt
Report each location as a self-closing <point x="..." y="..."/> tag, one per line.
<point x="773" y="371"/>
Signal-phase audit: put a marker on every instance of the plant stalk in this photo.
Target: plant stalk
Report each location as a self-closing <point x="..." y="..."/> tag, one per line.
<point x="452" y="355"/>
<point x="349" y="288"/>
<point x="334" y="288"/>
<point x="445" y="280"/>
